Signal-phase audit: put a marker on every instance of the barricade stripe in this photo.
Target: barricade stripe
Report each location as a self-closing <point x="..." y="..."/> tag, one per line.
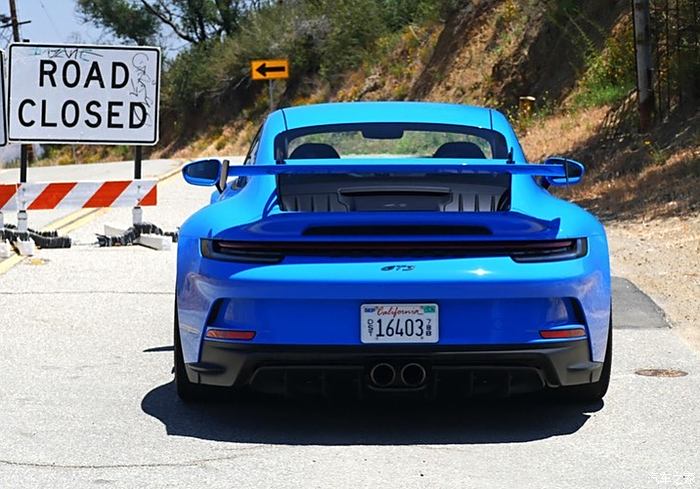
<point x="131" y="195"/>
<point x="108" y="193"/>
<point x="61" y="195"/>
<point x="52" y="195"/>
<point x="27" y="193"/>
<point x="80" y="194"/>
<point x="7" y="192"/>
<point x="151" y="197"/>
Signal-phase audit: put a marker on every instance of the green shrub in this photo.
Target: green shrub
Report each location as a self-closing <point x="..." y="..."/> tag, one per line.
<point x="610" y="73"/>
<point x="353" y="28"/>
<point x="399" y="13"/>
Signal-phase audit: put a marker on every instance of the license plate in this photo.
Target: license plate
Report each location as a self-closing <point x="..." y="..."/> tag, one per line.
<point x="399" y="323"/>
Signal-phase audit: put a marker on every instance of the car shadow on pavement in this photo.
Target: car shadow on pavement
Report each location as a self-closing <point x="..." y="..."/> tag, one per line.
<point x="389" y="422"/>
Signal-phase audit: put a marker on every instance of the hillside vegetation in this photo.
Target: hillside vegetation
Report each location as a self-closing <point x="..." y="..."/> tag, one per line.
<point x="575" y="58"/>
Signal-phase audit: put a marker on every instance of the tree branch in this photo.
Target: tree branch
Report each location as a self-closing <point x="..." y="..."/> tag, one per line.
<point x="200" y="28"/>
<point x="229" y="12"/>
<point x="168" y="20"/>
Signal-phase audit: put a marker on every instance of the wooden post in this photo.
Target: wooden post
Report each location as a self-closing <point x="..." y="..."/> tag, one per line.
<point x="642" y="45"/>
<point x="526" y="106"/>
<point x="13" y="19"/>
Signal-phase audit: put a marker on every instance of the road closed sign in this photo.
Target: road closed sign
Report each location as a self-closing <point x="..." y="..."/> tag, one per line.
<point x="83" y="94"/>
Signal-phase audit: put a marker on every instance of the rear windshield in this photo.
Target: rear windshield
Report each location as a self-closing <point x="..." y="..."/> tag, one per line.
<point x="390" y="140"/>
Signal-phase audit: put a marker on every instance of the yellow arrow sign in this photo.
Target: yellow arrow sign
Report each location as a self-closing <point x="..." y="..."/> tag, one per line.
<point x="269" y="69"/>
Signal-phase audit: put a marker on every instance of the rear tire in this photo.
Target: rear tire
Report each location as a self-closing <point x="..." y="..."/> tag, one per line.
<point x="187" y="391"/>
<point x="594" y="391"/>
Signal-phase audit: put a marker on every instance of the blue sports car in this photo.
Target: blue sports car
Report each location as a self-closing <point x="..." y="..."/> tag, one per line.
<point x="375" y="247"/>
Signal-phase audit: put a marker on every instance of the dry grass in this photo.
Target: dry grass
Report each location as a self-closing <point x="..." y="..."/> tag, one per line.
<point x="670" y="188"/>
<point x="403" y="56"/>
<point x="82" y="154"/>
<point x="561" y="133"/>
<point x="635" y="177"/>
<point x="495" y="35"/>
<point x="231" y="139"/>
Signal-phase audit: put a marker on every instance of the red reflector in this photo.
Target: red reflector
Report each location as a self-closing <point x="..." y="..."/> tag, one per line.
<point x="228" y="334"/>
<point x="562" y="333"/>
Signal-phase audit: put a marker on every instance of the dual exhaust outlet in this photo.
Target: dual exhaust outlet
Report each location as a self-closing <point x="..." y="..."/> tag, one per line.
<point x="384" y="375"/>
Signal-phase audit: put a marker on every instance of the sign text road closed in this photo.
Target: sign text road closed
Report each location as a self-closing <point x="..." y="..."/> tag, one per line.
<point x="269" y="69"/>
<point x="83" y="94"/>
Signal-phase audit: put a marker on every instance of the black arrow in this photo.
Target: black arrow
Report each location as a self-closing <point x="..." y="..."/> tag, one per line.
<point x="263" y="69"/>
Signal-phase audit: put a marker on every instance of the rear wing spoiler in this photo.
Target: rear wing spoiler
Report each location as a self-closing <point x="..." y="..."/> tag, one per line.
<point x="213" y="172"/>
<point x="396" y="166"/>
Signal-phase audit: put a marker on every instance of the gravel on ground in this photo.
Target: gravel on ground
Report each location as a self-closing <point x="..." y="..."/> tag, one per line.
<point x="662" y="257"/>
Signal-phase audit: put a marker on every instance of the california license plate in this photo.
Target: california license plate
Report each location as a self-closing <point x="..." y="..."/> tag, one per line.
<point x="399" y="323"/>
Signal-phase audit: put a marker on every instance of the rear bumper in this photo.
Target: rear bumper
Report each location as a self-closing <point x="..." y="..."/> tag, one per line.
<point x="317" y="302"/>
<point x="460" y="370"/>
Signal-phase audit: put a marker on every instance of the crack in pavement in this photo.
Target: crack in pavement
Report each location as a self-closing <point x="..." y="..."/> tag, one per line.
<point x="38" y="465"/>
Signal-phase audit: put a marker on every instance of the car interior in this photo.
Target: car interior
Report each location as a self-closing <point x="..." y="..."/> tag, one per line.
<point x="457" y="149"/>
<point x="345" y="193"/>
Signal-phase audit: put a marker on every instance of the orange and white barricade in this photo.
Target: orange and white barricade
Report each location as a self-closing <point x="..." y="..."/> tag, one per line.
<point x="62" y="195"/>
<point x="27" y="196"/>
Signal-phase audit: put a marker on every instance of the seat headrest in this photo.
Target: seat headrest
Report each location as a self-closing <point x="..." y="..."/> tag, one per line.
<point x="459" y="149"/>
<point x="311" y="151"/>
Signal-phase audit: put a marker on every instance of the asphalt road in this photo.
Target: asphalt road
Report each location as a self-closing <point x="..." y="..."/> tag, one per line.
<point x="87" y="399"/>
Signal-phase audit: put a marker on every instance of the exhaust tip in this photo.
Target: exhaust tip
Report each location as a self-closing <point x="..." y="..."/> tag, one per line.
<point x="382" y="375"/>
<point x="413" y="374"/>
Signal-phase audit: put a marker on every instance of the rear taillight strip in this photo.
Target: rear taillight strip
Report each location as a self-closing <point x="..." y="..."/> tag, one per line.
<point x="520" y="251"/>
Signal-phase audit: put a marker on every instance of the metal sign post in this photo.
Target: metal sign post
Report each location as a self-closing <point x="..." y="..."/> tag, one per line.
<point x="3" y="127"/>
<point x="24" y="161"/>
<point x="270" y="95"/>
<point x="3" y="131"/>
<point x="269" y="69"/>
<point x="23" y="148"/>
<point x="137" y="212"/>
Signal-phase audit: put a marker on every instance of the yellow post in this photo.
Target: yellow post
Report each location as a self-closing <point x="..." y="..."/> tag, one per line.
<point x="526" y="106"/>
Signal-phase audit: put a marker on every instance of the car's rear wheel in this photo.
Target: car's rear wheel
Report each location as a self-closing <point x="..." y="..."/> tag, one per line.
<point x="594" y="391"/>
<point x="186" y="390"/>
